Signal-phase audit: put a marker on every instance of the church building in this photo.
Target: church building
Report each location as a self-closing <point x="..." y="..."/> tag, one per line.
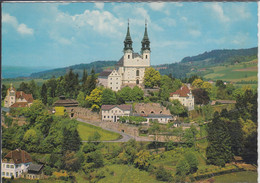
<point x="130" y="69"/>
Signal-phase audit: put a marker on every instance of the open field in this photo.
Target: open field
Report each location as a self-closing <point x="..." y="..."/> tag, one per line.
<point x="87" y="130"/>
<point x="246" y="71"/>
<point x="246" y="176"/>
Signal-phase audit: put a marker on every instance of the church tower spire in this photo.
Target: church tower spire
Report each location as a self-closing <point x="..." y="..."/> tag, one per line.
<point x="145" y="42"/>
<point x="128" y="41"/>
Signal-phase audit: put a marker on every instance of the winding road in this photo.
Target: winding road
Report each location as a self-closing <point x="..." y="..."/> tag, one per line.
<point x="125" y="137"/>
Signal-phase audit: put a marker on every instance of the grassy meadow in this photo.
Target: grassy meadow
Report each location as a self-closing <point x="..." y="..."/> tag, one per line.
<point x="86" y="130"/>
<point x="246" y="71"/>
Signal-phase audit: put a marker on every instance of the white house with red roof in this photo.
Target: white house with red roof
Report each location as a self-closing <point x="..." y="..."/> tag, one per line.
<point x="17" y="98"/>
<point x="113" y="112"/>
<point x="15" y="163"/>
<point x="184" y="95"/>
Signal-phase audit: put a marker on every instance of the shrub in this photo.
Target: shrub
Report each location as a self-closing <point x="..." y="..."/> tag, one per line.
<point x="162" y="174"/>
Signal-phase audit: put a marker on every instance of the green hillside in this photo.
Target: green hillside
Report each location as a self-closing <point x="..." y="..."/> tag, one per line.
<point x="99" y="66"/>
<point x="244" y="73"/>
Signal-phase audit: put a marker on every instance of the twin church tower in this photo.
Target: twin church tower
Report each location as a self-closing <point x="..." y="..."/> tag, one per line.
<point x="129" y="70"/>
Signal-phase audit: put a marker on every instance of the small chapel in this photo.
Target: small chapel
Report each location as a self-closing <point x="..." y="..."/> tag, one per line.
<point x="130" y="69"/>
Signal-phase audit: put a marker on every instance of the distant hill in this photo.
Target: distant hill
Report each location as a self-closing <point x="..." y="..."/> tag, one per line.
<point x="202" y="62"/>
<point x="99" y="66"/>
<point x="189" y="65"/>
<point x="225" y="55"/>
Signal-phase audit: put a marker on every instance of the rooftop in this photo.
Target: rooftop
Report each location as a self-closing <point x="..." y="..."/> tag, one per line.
<point x="19" y="156"/>
<point x="182" y="92"/>
<point x="123" y="107"/>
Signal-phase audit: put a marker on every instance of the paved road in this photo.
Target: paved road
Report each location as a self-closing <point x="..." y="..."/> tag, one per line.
<point x="125" y="137"/>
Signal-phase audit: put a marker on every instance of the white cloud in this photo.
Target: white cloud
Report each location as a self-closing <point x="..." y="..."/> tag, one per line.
<point x="240" y="11"/>
<point x="218" y="11"/>
<point x="99" y="5"/>
<point x="194" y="33"/>
<point x="169" y="21"/>
<point x="175" y="44"/>
<point x="240" y="39"/>
<point x="20" y="28"/>
<point x="157" y="6"/>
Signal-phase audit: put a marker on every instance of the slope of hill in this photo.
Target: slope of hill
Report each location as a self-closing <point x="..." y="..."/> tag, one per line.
<point x="99" y="66"/>
<point x="201" y="64"/>
<point x="225" y="55"/>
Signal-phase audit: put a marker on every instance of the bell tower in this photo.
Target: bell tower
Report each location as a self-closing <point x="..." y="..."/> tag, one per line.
<point x="145" y="50"/>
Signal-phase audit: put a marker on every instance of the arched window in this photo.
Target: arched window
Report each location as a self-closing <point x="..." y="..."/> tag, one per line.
<point x="137" y="72"/>
<point x="142" y="112"/>
<point x="137" y="81"/>
<point x="128" y="56"/>
<point x="146" y="56"/>
<point x="152" y="112"/>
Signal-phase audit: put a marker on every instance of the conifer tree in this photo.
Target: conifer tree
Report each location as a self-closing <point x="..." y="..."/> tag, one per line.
<point x="219" y="149"/>
<point x="44" y="94"/>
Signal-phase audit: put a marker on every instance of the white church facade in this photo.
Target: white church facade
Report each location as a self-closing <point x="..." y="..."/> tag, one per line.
<point x="130" y="69"/>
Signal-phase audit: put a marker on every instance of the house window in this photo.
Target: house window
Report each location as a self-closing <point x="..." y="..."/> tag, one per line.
<point x="11" y="174"/>
<point x="116" y="87"/>
<point x="111" y="87"/>
<point x="110" y="78"/>
<point x="104" y="116"/>
<point x="107" y="116"/>
<point x="116" y="78"/>
<point x="152" y="112"/>
<point x="7" y="166"/>
<point x="3" y="173"/>
<point x="7" y="173"/>
<point x="111" y="83"/>
<point x="12" y="166"/>
<point x="116" y="111"/>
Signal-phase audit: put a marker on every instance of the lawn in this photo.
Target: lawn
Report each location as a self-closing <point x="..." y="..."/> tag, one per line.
<point x="86" y="130"/>
<point x="246" y="176"/>
<point x="125" y="173"/>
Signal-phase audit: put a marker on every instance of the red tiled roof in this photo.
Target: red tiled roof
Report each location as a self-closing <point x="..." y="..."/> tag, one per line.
<point x="27" y="97"/>
<point x="122" y="107"/>
<point x="20" y="104"/>
<point x="19" y="156"/>
<point x="182" y="92"/>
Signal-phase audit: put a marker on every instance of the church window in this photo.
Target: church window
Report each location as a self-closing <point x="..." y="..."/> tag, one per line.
<point x="111" y="83"/>
<point x="116" y="87"/>
<point x="145" y="56"/>
<point x="137" y="81"/>
<point x="104" y="116"/>
<point x="128" y="56"/>
<point x="111" y="87"/>
<point x="137" y="72"/>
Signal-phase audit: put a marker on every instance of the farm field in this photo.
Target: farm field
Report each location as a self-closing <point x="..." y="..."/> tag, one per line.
<point x="246" y="71"/>
<point x="87" y="130"/>
<point x="246" y="176"/>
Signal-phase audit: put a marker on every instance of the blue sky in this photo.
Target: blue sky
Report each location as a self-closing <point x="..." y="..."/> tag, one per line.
<point x="62" y="34"/>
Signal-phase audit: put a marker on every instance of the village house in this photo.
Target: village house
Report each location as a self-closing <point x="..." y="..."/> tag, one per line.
<point x="34" y="172"/>
<point x="184" y="95"/>
<point x="15" y="163"/>
<point x="17" y="98"/>
<point x="113" y="112"/>
<point x="153" y="112"/>
<point x="130" y="69"/>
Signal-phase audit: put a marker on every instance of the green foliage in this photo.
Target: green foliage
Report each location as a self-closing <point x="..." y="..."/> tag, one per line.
<point x="81" y="99"/>
<point x="201" y="96"/>
<point x="177" y="108"/>
<point x="219" y="149"/>
<point x="3" y="91"/>
<point x="108" y="97"/>
<point x="71" y="140"/>
<point x="182" y="168"/>
<point x="151" y="78"/>
<point x="71" y="84"/>
<point x="125" y="94"/>
<point x="142" y="160"/>
<point x="192" y="161"/>
<point x="162" y="174"/>
<point x="137" y="120"/>
<point x="94" y="99"/>
<point x="44" y="96"/>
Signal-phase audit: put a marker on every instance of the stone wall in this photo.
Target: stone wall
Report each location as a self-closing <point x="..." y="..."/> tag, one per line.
<point x="128" y="129"/>
<point x="83" y="113"/>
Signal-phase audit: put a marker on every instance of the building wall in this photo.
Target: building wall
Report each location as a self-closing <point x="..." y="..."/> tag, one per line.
<point x="109" y="115"/>
<point x="9" y="169"/>
<point x="186" y="101"/>
<point x="114" y="81"/>
<point x="143" y="61"/>
<point x="102" y="81"/>
<point x="10" y="98"/>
